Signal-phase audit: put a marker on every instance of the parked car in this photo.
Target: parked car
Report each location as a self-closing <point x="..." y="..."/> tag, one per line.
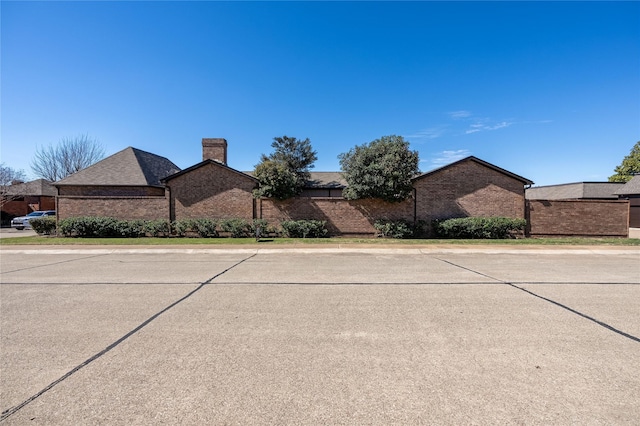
<point x="23" y="222"/>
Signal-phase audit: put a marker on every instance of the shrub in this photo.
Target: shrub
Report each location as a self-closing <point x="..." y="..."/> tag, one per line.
<point x="110" y="227"/>
<point x="157" y="228"/>
<point x="263" y="226"/>
<point x="393" y="228"/>
<point x="206" y="228"/>
<point x="479" y="227"/>
<point x="304" y="228"/>
<point x="88" y="227"/>
<point x="44" y="225"/>
<point x="132" y="228"/>
<point x="183" y="226"/>
<point x="237" y="228"/>
<point x="399" y="228"/>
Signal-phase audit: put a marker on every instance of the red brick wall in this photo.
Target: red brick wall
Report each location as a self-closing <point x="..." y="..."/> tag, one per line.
<point x="212" y="191"/>
<point x="117" y="207"/>
<point x="468" y="189"/>
<point x="111" y="191"/>
<point x="26" y="205"/>
<point x="342" y="216"/>
<point x="634" y="212"/>
<point x="608" y="218"/>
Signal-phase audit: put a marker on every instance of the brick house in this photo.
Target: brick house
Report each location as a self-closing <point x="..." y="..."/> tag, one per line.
<point x="23" y="198"/>
<point x="134" y="184"/>
<point x="211" y="188"/>
<point x="126" y="185"/>
<point x="631" y="191"/>
<point x="580" y="208"/>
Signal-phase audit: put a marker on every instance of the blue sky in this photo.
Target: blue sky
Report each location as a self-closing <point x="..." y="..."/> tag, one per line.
<point x="546" y="90"/>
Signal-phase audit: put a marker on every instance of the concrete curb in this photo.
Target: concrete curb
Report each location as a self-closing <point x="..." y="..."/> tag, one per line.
<point x="325" y="250"/>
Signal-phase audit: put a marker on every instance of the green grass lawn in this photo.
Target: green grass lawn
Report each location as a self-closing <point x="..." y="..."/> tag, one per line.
<point x="43" y="240"/>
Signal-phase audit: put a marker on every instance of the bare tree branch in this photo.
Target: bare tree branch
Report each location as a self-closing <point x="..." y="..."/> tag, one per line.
<point x="8" y="177"/>
<point x="70" y="155"/>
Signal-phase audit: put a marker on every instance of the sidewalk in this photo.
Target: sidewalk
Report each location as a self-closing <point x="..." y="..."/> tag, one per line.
<point x="322" y="248"/>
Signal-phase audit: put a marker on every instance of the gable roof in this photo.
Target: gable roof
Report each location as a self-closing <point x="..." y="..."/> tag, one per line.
<point x="326" y="180"/>
<point x="321" y="180"/>
<point x="574" y="191"/>
<point x="524" y="180"/>
<point x="631" y="187"/>
<point x="129" y="167"/>
<point x="36" y="187"/>
<point x="203" y="163"/>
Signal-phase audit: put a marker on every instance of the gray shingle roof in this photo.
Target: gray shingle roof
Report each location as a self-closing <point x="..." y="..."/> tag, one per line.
<point x="574" y="191"/>
<point x="326" y="180"/>
<point x="630" y="188"/>
<point x="36" y="187"/>
<point x="129" y="167"/>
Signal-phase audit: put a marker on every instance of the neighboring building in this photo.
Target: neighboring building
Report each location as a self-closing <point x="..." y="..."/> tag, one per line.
<point x="575" y="191"/>
<point x="23" y="198"/>
<point x="631" y="191"/>
<point x="126" y="185"/>
<point x="135" y="184"/>
<point x="577" y="209"/>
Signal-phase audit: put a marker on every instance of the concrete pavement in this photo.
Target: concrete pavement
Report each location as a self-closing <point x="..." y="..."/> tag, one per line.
<point x="333" y="336"/>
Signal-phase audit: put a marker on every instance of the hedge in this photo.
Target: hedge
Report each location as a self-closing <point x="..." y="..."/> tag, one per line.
<point x="44" y="225"/>
<point x="203" y="227"/>
<point x="398" y="228"/>
<point x="304" y="228"/>
<point x="479" y="227"/>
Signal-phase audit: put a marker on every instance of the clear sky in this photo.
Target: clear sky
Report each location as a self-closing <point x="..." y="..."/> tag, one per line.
<point x="546" y="90"/>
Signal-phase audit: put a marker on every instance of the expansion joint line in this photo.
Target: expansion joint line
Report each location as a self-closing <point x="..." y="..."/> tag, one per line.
<point x="546" y="299"/>
<point x="9" y="412"/>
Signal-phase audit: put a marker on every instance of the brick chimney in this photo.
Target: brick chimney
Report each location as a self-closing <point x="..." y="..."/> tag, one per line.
<point x="214" y="149"/>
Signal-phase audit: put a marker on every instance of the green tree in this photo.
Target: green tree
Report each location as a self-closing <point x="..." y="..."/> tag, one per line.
<point x="381" y="169"/>
<point x="276" y="180"/>
<point x="630" y="165"/>
<point x="284" y="172"/>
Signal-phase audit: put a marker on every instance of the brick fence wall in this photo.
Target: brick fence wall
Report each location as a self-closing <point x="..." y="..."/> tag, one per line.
<point x="601" y="218"/>
<point x="117" y="207"/>
<point x="343" y="217"/>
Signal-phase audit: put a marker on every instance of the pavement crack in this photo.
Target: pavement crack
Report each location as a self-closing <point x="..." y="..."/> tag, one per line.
<point x="11" y="411"/>
<point x="585" y="316"/>
<point x="50" y="264"/>
<point x="546" y="299"/>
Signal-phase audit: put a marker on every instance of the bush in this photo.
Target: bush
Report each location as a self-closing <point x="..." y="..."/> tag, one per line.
<point x="106" y="227"/>
<point x="157" y="228"/>
<point x="237" y="228"/>
<point x="44" y="225"/>
<point x="304" y="228"/>
<point x="89" y="227"/>
<point x="206" y="228"/>
<point x="479" y="227"/>
<point x="393" y="228"/>
<point x="129" y="228"/>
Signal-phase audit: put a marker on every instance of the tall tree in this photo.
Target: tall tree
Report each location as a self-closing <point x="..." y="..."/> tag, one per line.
<point x="70" y="155"/>
<point x="284" y="172"/>
<point x="381" y="169"/>
<point x="630" y="166"/>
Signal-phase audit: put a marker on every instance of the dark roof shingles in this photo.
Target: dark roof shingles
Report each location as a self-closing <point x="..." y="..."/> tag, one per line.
<point x="129" y="167"/>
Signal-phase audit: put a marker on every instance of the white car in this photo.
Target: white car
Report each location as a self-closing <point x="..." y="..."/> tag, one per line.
<point x="22" y="222"/>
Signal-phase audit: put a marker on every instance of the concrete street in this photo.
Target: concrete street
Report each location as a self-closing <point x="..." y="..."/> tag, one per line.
<point x="335" y="335"/>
